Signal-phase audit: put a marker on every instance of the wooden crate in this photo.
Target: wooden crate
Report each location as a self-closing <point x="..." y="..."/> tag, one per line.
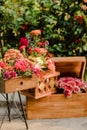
<point x="70" y="66"/>
<point x="45" y="86"/>
<point x="17" y="84"/>
<point x="56" y="105"/>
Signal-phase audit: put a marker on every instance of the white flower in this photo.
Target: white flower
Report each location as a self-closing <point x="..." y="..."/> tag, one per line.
<point x="39" y="60"/>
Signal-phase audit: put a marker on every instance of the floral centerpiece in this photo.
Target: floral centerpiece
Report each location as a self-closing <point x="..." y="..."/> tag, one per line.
<point x="70" y="85"/>
<point x="35" y="49"/>
<point x="14" y="64"/>
<point x="31" y="58"/>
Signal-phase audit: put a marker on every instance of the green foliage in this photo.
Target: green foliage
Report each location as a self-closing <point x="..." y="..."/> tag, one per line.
<point x="56" y="18"/>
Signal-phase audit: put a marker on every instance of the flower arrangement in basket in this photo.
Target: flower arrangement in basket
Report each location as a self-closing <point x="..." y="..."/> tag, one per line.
<point x="69" y="85"/>
<point x="31" y="58"/>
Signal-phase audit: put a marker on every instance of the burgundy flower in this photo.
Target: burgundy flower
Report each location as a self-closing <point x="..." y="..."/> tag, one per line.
<point x="79" y="19"/>
<point x="76" y="17"/>
<point x="67" y="93"/>
<point x="9" y="74"/>
<point x="24" y="41"/>
<point x="24" y="27"/>
<point x="35" y="70"/>
<point x="76" y="41"/>
<point x="30" y="50"/>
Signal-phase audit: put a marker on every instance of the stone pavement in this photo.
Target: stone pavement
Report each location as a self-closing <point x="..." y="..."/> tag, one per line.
<point x="47" y="124"/>
<point x="42" y="124"/>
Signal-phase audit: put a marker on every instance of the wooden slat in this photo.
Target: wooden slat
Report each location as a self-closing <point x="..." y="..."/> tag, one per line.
<point x="70" y="66"/>
<point x="44" y="87"/>
<point x="70" y="59"/>
<point x="57" y="106"/>
<point x="17" y="84"/>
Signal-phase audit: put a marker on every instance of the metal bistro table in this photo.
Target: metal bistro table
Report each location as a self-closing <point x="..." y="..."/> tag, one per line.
<point x="5" y="91"/>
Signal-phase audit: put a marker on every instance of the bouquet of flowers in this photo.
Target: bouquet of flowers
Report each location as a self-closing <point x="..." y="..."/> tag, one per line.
<point x="35" y="49"/>
<point x="31" y="58"/>
<point x="71" y="85"/>
<point x="15" y="64"/>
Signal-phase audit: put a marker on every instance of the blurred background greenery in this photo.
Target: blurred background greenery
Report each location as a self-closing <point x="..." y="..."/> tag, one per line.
<point x="63" y="24"/>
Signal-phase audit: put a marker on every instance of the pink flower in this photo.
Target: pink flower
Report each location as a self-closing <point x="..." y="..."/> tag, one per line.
<point x="78" y="81"/>
<point x="21" y="65"/>
<point x="22" y="47"/>
<point x="9" y="74"/>
<point x="1" y="65"/>
<point x="67" y="93"/>
<point x="70" y="85"/>
<point x="35" y="70"/>
<point x="24" y="41"/>
<point x="43" y="44"/>
<point x="76" y="89"/>
<point x="37" y="49"/>
<point x="61" y="84"/>
<point x="50" y="65"/>
<point x="83" y="85"/>
<point x="40" y="43"/>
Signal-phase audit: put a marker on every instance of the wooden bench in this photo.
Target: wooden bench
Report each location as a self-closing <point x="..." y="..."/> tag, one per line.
<point x="56" y="105"/>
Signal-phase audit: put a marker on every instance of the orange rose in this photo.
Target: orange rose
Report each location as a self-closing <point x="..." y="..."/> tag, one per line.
<point x="42" y="51"/>
<point x="83" y="7"/>
<point x="85" y="1"/>
<point x="8" y="67"/>
<point x="35" y="32"/>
